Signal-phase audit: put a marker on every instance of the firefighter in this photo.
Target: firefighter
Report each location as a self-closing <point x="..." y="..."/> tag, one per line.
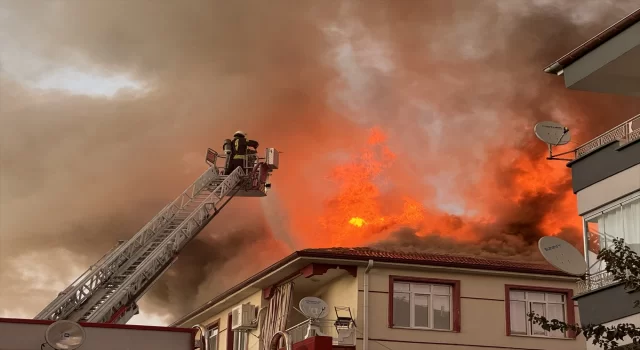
<point x="240" y="148"/>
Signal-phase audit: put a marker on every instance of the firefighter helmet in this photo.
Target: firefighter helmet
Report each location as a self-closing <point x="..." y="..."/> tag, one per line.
<point x="240" y="133"/>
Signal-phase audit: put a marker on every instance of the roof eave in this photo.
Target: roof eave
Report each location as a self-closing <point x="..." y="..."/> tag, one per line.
<point x="529" y="270"/>
<point x="558" y="66"/>
<point x="238" y="287"/>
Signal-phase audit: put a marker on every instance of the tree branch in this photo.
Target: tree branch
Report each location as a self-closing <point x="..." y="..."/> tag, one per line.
<point x="624" y="265"/>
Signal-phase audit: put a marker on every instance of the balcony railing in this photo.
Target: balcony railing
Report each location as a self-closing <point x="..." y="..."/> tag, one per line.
<point x="327" y="327"/>
<point x="600" y="278"/>
<point x="626" y="132"/>
<point x="594" y="281"/>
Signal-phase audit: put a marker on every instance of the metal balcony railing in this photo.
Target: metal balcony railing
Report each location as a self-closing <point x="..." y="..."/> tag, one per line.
<point x="599" y="278"/>
<point x="594" y="281"/>
<point x="626" y="132"/>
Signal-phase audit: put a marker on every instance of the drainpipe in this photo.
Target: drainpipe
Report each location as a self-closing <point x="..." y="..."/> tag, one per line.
<point x="365" y="313"/>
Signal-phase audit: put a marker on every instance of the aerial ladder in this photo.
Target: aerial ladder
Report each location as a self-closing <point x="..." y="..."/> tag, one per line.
<point x="109" y="290"/>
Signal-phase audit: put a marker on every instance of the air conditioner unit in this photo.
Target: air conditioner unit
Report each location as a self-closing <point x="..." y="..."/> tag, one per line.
<point x="243" y="317"/>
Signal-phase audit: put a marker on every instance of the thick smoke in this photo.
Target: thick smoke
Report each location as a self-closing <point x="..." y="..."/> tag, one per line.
<point x="454" y="83"/>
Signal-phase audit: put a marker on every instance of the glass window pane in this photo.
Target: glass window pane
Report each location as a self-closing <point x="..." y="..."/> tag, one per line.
<point x="421" y="310"/>
<point x="516" y="295"/>
<point x="213" y="343"/>
<point x="441" y="289"/>
<point x="538" y="309"/>
<point x="213" y="339"/>
<point x="441" y="312"/>
<point x="400" y="287"/>
<point x="421" y="288"/>
<point x="236" y="341"/>
<point x="556" y="312"/>
<point x="537" y="296"/>
<point x="239" y="341"/>
<point x="401" y="310"/>
<point x="518" y="317"/>
<point x="555" y="298"/>
<point x="213" y="332"/>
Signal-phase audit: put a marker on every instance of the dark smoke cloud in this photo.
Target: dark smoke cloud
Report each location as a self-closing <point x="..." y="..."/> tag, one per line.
<point x="214" y="264"/>
<point x="78" y="173"/>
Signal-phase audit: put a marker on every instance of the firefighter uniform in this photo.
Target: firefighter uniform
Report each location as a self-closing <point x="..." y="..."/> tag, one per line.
<point x="239" y="151"/>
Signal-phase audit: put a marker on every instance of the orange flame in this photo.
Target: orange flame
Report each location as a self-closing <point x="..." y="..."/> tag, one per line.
<point x="360" y="212"/>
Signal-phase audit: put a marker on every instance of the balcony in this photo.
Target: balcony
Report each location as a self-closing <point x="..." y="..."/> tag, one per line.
<point x="341" y="334"/>
<point x="624" y="133"/>
<point x="597" y="276"/>
<point x="595" y="281"/>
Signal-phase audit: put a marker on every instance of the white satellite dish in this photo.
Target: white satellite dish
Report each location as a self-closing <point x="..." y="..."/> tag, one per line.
<point x="552" y="133"/>
<point x="562" y="255"/>
<point x="65" y="335"/>
<point x="314" y="308"/>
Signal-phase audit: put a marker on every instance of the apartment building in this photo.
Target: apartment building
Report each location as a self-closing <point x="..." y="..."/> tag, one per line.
<point x="606" y="170"/>
<point x="381" y="300"/>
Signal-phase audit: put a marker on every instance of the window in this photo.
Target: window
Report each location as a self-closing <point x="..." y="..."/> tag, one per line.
<point x="621" y="220"/>
<point x="212" y="334"/>
<point x="240" y="340"/>
<point x="550" y="303"/>
<point x="424" y="304"/>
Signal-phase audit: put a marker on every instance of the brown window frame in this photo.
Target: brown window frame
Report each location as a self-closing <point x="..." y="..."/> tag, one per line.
<point x="455" y="299"/>
<point x="570" y="305"/>
<point x="212" y="325"/>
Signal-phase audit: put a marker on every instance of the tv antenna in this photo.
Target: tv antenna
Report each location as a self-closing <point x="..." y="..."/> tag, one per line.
<point x="562" y="255"/>
<point x="64" y="335"/>
<point x="314" y="309"/>
<point x="553" y="134"/>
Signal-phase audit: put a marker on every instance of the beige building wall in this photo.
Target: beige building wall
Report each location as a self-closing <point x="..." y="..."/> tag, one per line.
<point x="224" y="326"/>
<point x="343" y="291"/>
<point x="340" y="291"/>
<point x="483" y="314"/>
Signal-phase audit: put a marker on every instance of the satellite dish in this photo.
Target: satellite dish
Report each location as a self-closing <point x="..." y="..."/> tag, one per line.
<point x="552" y="133"/>
<point x="314" y="308"/>
<point x="562" y="255"/>
<point x="65" y="335"/>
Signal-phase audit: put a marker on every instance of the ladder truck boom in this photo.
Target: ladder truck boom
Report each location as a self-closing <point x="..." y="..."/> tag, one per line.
<point x="109" y="290"/>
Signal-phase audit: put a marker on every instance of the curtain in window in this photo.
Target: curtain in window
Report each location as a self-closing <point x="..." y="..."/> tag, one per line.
<point x="631" y="220"/>
<point x="518" y="317"/>
<point x="277" y="314"/>
<point x="622" y="222"/>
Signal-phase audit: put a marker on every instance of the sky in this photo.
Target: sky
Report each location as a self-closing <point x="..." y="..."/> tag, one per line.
<point x="106" y="108"/>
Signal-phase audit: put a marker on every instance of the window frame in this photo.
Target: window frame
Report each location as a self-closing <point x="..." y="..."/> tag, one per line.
<point x="239" y="334"/>
<point x="595" y="212"/>
<point x="599" y="211"/>
<point x="455" y="301"/>
<point x="231" y="344"/>
<point x="213" y="325"/>
<point x="570" y="312"/>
